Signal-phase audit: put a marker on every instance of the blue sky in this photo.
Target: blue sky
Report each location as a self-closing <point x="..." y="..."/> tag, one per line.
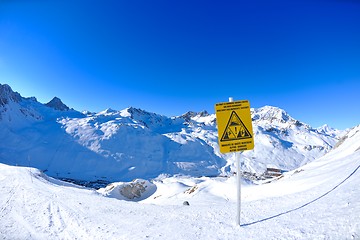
<point x="170" y="57"/>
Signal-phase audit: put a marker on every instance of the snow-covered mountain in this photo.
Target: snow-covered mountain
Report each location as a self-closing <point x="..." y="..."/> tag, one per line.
<point x="132" y="143"/>
<point x="57" y="104"/>
<point x="320" y="200"/>
<point x="284" y="142"/>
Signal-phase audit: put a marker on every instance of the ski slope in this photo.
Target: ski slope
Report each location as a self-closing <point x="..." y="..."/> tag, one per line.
<point x="320" y="200"/>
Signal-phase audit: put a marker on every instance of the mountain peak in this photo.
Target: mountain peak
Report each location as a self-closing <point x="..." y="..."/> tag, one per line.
<point x="327" y="130"/>
<point x="190" y="114"/>
<point x="203" y="113"/>
<point x="271" y="113"/>
<point x="7" y="94"/>
<point x="274" y="115"/>
<point x="108" y="112"/>
<point x="57" y="104"/>
<point x="324" y="128"/>
<point x="137" y="111"/>
<point x="141" y="114"/>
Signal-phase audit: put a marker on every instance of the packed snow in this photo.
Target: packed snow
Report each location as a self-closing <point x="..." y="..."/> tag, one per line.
<point x="317" y="201"/>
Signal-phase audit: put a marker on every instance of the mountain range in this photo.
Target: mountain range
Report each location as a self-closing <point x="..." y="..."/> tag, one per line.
<point x="114" y="145"/>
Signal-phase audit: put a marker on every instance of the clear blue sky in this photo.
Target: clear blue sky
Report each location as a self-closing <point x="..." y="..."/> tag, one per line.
<point x="169" y="57"/>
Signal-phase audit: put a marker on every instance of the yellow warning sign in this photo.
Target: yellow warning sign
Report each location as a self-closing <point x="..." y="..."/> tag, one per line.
<point x="234" y="126"/>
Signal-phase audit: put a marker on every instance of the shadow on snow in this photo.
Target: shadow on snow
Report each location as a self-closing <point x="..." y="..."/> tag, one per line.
<point x="306" y="204"/>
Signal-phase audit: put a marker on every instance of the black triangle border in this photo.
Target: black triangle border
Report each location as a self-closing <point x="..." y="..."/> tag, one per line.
<point x="227" y="125"/>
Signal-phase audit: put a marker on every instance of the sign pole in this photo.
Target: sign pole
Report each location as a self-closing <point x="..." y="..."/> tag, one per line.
<point x="238" y="182"/>
<point x="235" y="134"/>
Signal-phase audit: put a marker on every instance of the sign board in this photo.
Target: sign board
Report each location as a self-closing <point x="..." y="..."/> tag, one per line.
<point x="234" y="126"/>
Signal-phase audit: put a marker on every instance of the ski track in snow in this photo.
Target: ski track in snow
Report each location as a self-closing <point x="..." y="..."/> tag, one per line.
<point x="306" y="204"/>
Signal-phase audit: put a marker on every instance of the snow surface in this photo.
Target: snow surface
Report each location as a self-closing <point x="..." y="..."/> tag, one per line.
<point x="179" y="160"/>
<point x="319" y="200"/>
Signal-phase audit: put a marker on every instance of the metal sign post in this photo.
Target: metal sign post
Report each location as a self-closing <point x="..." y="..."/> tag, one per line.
<point x="238" y="181"/>
<point x="235" y="135"/>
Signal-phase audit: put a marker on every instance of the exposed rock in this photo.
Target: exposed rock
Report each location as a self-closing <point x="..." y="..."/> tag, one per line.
<point x="7" y="94"/>
<point x="133" y="190"/>
<point x="57" y="104"/>
<point x="186" y="203"/>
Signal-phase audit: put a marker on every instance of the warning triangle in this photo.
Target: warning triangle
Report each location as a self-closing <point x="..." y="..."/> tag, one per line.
<point x="235" y="129"/>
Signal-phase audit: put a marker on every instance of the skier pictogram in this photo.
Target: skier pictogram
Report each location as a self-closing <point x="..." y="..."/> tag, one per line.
<point x="235" y="129"/>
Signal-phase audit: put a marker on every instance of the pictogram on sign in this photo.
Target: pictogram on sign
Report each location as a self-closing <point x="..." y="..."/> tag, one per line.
<point x="235" y="129"/>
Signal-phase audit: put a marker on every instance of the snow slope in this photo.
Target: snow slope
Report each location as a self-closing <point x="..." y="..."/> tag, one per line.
<point x="317" y="201"/>
<point x="132" y="143"/>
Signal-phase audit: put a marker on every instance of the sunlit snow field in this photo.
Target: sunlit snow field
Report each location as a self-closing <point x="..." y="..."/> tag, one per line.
<point x="317" y="201"/>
